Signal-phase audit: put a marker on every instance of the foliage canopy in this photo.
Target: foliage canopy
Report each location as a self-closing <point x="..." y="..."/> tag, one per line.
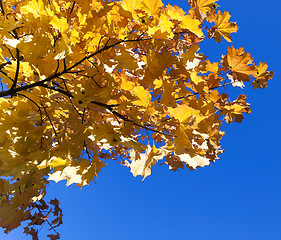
<point x="84" y="82"/>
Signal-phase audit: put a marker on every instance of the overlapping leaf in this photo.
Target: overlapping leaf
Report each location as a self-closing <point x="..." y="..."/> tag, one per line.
<point x="84" y="83"/>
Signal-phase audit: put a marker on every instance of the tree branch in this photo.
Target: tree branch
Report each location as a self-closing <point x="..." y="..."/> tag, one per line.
<point x="196" y="93"/>
<point x="12" y="92"/>
<point x="17" y="70"/>
<point x="2" y="8"/>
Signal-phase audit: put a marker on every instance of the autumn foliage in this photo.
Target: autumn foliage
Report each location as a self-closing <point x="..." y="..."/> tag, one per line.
<point x="88" y="81"/>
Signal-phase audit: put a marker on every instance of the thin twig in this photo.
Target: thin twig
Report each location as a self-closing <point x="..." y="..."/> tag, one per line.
<point x="9" y="51"/>
<point x="196" y="93"/>
<point x="72" y="7"/>
<point x="58" y="62"/>
<point x="46" y="220"/>
<point x="50" y="120"/>
<point x="39" y="108"/>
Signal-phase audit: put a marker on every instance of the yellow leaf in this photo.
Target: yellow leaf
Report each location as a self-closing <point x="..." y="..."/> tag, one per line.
<point x="60" y="24"/>
<point x="212" y="67"/>
<point x="165" y="24"/>
<point x="182" y="140"/>
<point x="175" y="12"/>
<point x="196" y="78"/>
<point x="222" y="28"/>
<point x="152" y="7"/>
<point x="183" y="113"/>
<point x="126" y="84"/>
<point x="34" y="7"/>
<point x="192" y="25"/>
<point x="262" y="76"/>
<point x="158" y="83"/>
<point x="144" y="97"/>
<point x="203" y="6"/>
<point x="132" y="6"/>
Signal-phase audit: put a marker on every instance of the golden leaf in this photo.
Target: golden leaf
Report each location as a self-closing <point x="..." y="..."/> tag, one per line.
<point x="152" y="7"/>
<point x="262" y="76"/>
<point x="192" y="25"/>
<point x="240" y="63"/>
<point x="143" y="96"/>
<point x="60" y="24"/>
<point x="222" y="28"/>
<point x="203" y="6"/>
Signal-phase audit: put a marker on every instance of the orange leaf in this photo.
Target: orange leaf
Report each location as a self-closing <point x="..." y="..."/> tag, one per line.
<point x="240" y="63"/>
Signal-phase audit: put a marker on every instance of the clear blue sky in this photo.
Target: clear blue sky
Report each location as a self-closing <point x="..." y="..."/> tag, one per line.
<point x="238" y="197"/>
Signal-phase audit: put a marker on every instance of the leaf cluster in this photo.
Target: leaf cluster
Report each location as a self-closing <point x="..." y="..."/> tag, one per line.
<point x="85" y="82"/>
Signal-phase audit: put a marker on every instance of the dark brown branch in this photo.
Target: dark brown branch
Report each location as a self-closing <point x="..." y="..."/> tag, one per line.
<point x="91" y="77"/>
<point x="83" y="115"/>
<point x="67" y="93"/>
<point x="17" y="70"/>
<point x="58" y="61"/>
<point x="100" y="42"/>
<point x="125" y="118"/>
<point x="72" y="7"/>
<point x="4" y="64"/>
<point x="2" y="8"/>
<point x="9" y="51"/>
<point x="12" y="92"/>
<point x="64" y="64"/>
<point x="6" y="75"/>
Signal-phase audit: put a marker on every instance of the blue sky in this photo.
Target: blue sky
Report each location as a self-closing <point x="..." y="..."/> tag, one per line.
<point x="238" y="197"/>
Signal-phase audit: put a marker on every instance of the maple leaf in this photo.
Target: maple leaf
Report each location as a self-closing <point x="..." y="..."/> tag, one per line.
<point x="193" y="162"/>
<point x="36" y="8"/>
<point x="152" y="7"/>
<point x="239" y="63"/>
<point x="12" y="218"/>
<point x="174" y="163"/>
<point x="222" y="28"/>
<point x="142" y="165"/>
<point x="143" y="96"/>
<point x="175" y="12"/>
<point x="69" y="173"/>
<point x="201" y="8"/>
<point x="53" y="237"/>
<point x="202" y="5"/>
<point x="60" y="24"/>
<point x="192" y="25"/>
<point x="262" y="76"/>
